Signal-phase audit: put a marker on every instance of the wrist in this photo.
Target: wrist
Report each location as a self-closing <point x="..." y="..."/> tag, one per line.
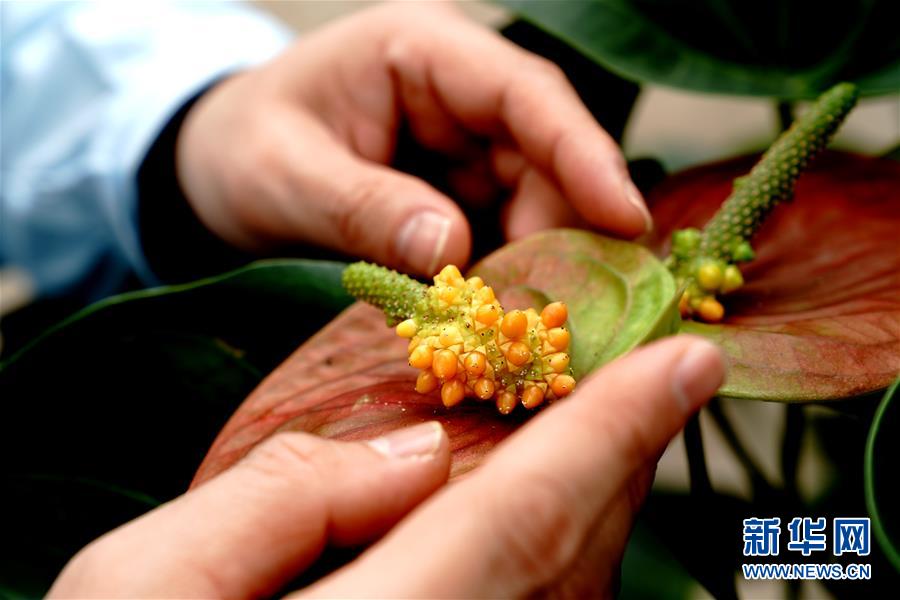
<point x="176" y="243"/>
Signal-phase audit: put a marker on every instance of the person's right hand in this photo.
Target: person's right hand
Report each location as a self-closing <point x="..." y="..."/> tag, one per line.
<point x="548" y="512"/>
<point x="299" y="150"/>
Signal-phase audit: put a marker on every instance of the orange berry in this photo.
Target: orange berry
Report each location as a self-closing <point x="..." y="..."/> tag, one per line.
<point x="444" y="364"/>
<point x="426" y="382"/>
<point x="554" y="314"/>
<point x="475" y="362"/>
<point x="453" y="392"/>
<point x="562" y="385"/>
<point x="518" y="353"/>
<point x="559" y="338"/>
<point x="558" y="362"/>
<point x="487" y="314"/>
<point x="514" y="324"/>
<point x="532" y="396"/>
<point x="421" y="357"/>
<point x="484" y="388"/>
<point x="710" y="310"/>
<point x="506" y="402"/>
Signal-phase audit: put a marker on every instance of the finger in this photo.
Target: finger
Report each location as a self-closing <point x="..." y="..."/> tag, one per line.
<point x="250" y="530"/>
<point x="510" y="92"/>
<point x="335" y="199"/>
<point x="594" y="573"/>
<point x="536" y="205"/>
<point x="522" y="519"/>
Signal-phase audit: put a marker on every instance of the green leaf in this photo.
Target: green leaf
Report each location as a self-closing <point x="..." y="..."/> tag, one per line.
<point x="352" y="381"/>
<point x="882" y="492"/>
<point x="783" y="48"/>
<point x="819" y="315"/>
<point x="645" y="554"/>
<point x="110" y="412"/>
<point x="618" y="294"/>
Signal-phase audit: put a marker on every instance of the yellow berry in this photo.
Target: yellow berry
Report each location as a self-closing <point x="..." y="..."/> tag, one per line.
<point x="532" y="396"/>
<point x="484" y="388"/>
<point x="421" y="357"/>
<point x="475" y="363"/>
<point x="562" y="385"/>
<point x="449" y="294"/>
<point x="518" y="353"/>
<point x="559" y="362"/>
<point x="452" y="392"/>
<point x="486" y="294"/>
<point x="710" y="310"/>
<point x="407" y="328"/>
<point x="554" y="314"/>
<point x="709" y="276"/>
<point x="451" y="275"/>
<point x="426" y="382"/>
<point x="514" y="324"/>
<point x="449" y="335"/>
<point x="732" y="279"/>
<point x="506" y="402"/>
<point x="475" y="283"/>
<point x="559" y="338"/>
<point x="487" y="314"/>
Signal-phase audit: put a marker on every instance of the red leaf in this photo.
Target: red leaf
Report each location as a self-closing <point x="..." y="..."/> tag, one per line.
<point x="351" y="382"/>
<point x="819" y="316"/>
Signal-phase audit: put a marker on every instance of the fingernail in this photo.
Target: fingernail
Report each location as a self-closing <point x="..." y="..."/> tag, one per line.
<point x="420" y="441"/>
<point x="422" y="240"/>
<point x="633" y="195"/>
<point x="698" y="375"/>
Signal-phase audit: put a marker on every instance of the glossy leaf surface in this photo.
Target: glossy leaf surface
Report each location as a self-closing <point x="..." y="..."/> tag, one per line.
<point x="110" y="412"/>
<point x="780" y="48"/>
<point x="819" y="315"/>
<point x="351" y="381"/>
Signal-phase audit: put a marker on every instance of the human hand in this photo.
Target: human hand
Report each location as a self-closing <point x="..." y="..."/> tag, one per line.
<point x="549" y="510"/>
<point x="298" y="150"/>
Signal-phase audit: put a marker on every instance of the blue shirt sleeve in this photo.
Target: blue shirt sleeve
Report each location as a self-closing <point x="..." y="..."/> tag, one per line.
<point x="85" y="88"/>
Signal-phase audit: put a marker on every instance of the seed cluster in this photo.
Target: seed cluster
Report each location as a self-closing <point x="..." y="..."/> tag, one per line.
<point x="466" y="345"/>
<point x="706" y="262"/>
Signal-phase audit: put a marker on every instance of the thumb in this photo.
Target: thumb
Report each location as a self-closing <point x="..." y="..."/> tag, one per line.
<point x="527" y="515"/>
<point x="250" y="530"/>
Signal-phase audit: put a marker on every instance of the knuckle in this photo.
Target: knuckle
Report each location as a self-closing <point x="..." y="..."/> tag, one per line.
<point x="537" y="526"/>
<point x="288" y="456"/>
<point x="549" y="69"/>
<point x="354" y="217"/>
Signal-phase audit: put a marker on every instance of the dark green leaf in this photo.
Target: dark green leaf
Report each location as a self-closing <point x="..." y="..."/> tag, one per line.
<point x="782" y="48"/>
<point x="111" y="411"/>
<point x="882" y="491"/>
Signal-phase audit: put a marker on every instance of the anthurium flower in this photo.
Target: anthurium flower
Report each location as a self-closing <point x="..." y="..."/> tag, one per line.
<point x="817" y="318"/>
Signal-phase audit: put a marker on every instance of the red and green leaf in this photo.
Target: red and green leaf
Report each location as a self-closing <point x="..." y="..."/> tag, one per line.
<point x="351" y="381"/>
<point x="819" y="316"/>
